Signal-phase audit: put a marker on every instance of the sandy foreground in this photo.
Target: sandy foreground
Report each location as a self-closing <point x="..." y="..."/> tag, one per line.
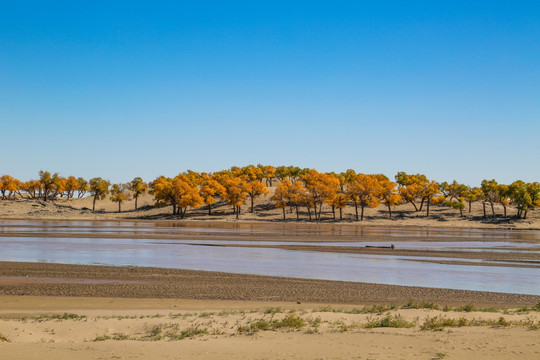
<point x="113" y="328"/>
<point x="101" y="312"/>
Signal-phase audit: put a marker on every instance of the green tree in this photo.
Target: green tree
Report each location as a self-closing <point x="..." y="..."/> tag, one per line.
<point x="525" y="196"/>
<point x="119" y="194"/>
<point x="99" y="189"/>
<point x="456" y="193"/>
<point x="48" y="182"/>
<point x="471" y="195"/>
<point x="490" y="193"/>
<point x="138" y="187"/>
<point x="82" y="188"/>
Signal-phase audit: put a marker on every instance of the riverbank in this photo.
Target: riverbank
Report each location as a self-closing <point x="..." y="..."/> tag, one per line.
<point x="404" y="215"/>
<point x="43" y="279"/>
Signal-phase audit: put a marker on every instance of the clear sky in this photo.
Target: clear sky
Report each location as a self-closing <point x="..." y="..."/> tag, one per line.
<point x="120" y="89"/>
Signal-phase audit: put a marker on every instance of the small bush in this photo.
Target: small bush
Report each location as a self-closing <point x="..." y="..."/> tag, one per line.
<point x="291" y="321"/>
<point x="102" y="337"/>
<point x="188" y="333"/>
<point x="273" y="310"/>
<point x="396" y="321"/>
<point x="466" y="308"/>
<point x="422" y="305"/>
<point x="64" y="316"/>
<point x="120" y="336"/>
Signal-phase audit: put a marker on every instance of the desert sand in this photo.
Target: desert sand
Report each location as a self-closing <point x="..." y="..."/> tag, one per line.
<point x="112" y="328"/>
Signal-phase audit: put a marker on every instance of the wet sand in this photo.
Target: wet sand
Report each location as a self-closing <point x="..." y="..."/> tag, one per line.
<point x="136" y="282"/>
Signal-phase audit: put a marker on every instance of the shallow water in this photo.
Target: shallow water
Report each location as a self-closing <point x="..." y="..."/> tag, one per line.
<point x="194" y="254"/>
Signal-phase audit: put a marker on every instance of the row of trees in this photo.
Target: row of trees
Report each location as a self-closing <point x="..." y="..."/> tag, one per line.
<point x="297" y="188"/>
<point x="52" y="186"/>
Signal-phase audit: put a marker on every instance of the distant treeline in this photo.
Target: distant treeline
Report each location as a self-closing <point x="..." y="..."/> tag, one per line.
<point x="296" y="189"/>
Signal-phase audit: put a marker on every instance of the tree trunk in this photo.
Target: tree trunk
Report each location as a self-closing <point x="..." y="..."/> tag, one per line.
<point x="334" y="212"/>
<point x="362" y="214"/>
<point x="320" y="209"/>
<point x="504" y="207"/>
<point x="415" y="207"/>
<point x="209" y="209"/>
<point x="389" y="211"/>
<point x="297" y="214"/>
<point x="525" y="214"/>
<point x="356" y="209"/>
<point x="237" y="212"/>
<point x="460" y="212"/>
<point x="251" y="204"/>
<point x="421" y="205"/>
<point x="492" y="210"/>
<point x="470" y="205"/>
<point x="484" y="208"/>
<point x="284" y="213"/>
<point x="136" y="198"/>
<point x="93" y="203"/>
<point x="119" y="206"/>
<point x="309" y="212"/>
<point x="340" y="214"/>
<point x="427" y="207"/>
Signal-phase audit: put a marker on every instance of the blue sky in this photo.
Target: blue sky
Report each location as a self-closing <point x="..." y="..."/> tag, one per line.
<point x="128" y="88"/>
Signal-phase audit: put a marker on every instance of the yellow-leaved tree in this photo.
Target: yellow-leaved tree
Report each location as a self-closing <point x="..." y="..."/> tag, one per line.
<point x="32" y="187"/>
<point x="320" y="188"/>
<point x="9" y="186"/>
<point x="525" y="196"/>
<point x="490" y="193"/>
<point x="388" y="193"/>
<point x="99" y="189"/>
<point x="60" y="186"/>
<point x="83" y="187"/>
<point x="179" y="192"/>
<point x="119" y="194"/>
<point x="455" y="192"/>
<point x="47" y="183"/>
<point x="210" y="191"/>
<point x="282" y="195"/>
<point x="254" y="189"/>
<point x="71" y="185"/>
<point x="235" y="192"/>
<point x="137" y="187"/>
<point x="364" y="190"/>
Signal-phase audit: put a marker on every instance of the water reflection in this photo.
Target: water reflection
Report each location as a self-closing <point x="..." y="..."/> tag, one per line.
<point x="267" y="261"/>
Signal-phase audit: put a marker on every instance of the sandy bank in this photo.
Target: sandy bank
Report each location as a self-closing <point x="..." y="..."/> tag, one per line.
<point x="137" y="282"/>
